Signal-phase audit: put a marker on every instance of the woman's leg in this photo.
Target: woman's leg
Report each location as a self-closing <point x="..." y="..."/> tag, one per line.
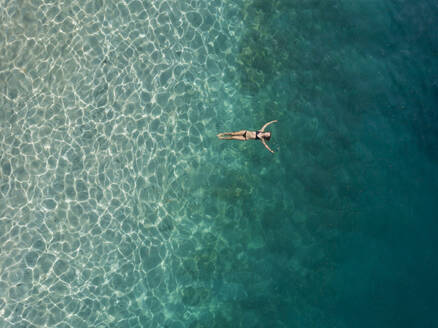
<point x="232" y="138"/>
<point x="237" y="133"/>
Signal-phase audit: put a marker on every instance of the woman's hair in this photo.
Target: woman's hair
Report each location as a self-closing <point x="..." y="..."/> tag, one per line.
<point x="268" y="137"/>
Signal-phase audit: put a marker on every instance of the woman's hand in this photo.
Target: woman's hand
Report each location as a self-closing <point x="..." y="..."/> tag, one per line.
<point x="267" y="147"/>
<point x="264" y="126"/>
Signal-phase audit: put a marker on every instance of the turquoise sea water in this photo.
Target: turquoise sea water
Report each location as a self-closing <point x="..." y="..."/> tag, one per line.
<point x="119" y="207"/>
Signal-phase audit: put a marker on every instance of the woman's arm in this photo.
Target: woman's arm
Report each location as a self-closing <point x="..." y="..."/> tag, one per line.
<point x="264" y="144"/>
<point x="264" y="126"/>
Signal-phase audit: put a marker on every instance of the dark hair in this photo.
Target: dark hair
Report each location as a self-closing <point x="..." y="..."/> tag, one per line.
<point x="268" y="137"/>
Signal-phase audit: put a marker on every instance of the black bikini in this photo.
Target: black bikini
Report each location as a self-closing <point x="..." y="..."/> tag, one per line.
<point x="256" y="137"/>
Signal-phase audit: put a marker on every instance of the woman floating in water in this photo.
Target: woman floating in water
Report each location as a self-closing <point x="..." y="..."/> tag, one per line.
<point x="249" y="135"/>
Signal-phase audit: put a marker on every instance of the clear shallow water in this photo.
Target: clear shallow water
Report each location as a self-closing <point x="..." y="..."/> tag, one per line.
<point x="119" y="207"/>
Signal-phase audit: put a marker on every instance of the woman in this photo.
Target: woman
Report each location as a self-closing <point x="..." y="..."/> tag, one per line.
<point x="249" y="135"/>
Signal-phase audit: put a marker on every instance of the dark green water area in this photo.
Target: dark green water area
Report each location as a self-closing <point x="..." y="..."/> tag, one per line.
<point x="346" y="208"/>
